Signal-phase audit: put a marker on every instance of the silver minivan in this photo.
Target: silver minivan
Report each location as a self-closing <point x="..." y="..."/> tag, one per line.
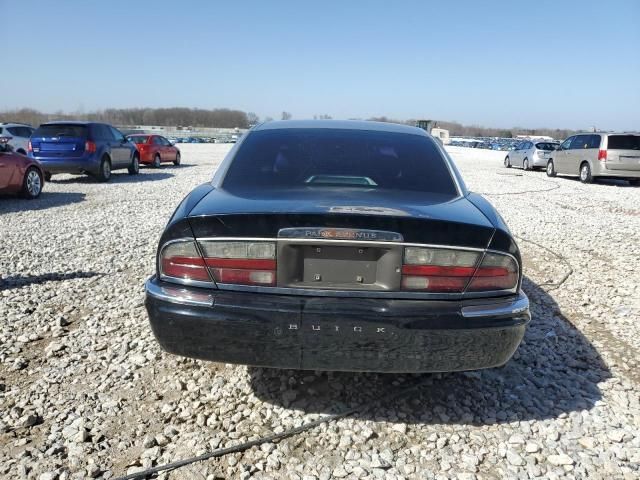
<point x="593" y="155"/>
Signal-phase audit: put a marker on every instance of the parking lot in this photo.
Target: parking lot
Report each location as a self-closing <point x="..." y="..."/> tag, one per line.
<point x="86" y="391"/>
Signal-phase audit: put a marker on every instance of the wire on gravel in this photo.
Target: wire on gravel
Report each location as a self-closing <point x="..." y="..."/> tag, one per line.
<point x="556" y="185"/>
<point x="330" y="418"/>
<point x="563" y="259"/>
<point x="144" y="474"/>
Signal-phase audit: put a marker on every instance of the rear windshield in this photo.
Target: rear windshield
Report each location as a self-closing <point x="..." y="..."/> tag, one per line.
<point x="547" y="146"/>
<point x="290" y="158"/>
<point x="138" y="140"/>
<point x="61" y="130"/>
<point x="624" y="142"/>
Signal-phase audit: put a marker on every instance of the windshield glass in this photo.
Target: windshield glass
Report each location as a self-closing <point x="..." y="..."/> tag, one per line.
<point x="624" y="142"/>
<point x="289" y="158"/>
<point x="138" y="139"/>
<point x="61" y="130"/>
<point x="547" y="146"/>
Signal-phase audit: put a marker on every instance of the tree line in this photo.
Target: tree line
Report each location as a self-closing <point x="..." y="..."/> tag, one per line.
<point x="459" y="130"/>
<point x="187" y="117"/>
<point x="228" y="118"/>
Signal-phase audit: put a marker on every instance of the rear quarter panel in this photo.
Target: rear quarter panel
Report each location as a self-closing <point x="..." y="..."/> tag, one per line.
<point x="13" y="170"/>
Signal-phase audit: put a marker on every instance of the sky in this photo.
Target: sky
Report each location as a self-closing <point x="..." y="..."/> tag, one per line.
<point x="565" y="64"/>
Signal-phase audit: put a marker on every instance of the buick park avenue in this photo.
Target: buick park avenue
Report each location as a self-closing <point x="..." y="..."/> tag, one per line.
<point x="332" y="245"/>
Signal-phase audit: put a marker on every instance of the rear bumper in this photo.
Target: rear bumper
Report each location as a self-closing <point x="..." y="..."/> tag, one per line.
<point x="351" y="334"/>
<point x="601" y="170"/>
<point x="146" y="158"/>
<point x="539" y="162"/>
<point x="84" y="164"/>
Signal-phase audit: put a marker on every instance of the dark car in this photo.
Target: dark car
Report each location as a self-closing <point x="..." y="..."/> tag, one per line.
<point x="18" y="173"/>
<point x="330" y="245"/>
<point x="83" y="147"/>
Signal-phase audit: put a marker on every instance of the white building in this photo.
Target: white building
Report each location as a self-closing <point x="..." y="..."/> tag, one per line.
<point x="441" y="134"/>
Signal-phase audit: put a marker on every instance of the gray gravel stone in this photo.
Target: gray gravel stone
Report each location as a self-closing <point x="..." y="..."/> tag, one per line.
<point x="81" y="371"/>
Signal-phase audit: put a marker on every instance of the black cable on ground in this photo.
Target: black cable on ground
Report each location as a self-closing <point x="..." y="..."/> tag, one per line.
<point x="563" y="259"/>
<point x="272" y="438"/>
<point x="360" y="408"/>
<point x="556" y="185"/>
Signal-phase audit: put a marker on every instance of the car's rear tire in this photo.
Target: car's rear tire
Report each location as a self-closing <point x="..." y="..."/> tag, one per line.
<point x="176" y="162"/>
<point x="585" y="173"/>
<point x="551" y="169"/>
<point x="507" y="162"/>
<point x="47" y="176"/>
<point x="32" y="183"/>
<point x="104" y="175"/>
<point x="157" y="161"/>
<point x="134" y="167"/>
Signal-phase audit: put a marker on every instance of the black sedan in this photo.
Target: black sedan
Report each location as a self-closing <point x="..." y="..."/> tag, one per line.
<point x="330" y="245"/>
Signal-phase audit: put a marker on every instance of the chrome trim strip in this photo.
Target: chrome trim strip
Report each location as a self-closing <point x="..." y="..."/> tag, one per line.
<point x="187" y="282"/>
<point x="333" y="241"/>
<point x="180" y="296"/>
<point x="382" y="294"/>
<point x="514" y="307"/>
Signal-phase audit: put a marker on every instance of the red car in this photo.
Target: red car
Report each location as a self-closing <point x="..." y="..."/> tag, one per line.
<point x="155" y="149"/>
<point x="19" y="173"/>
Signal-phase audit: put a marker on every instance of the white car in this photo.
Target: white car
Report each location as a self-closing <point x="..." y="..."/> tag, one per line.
<point x="531" y="154"/>
<point x="19" y="134"/>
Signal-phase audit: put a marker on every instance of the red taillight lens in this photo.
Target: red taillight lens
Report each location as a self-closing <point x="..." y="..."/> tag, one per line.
<point x="241" y="263"/>
<point x="496" y="272"/>
<point x="437" y="270"/>
<point x="29" y="147"/>
<point x="456" y="271"/>
<point x="89" y="146"/>
<point x="602" y="155"/>
<point x="238" y="263"/>
<point x="181" y="261"/>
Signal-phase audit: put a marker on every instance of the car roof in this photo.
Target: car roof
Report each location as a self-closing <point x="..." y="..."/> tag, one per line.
<point x="144" y="135"/>
<point x="70" y="122"/>
<point x="606" y="133"/>
<point x="340" y="125"/>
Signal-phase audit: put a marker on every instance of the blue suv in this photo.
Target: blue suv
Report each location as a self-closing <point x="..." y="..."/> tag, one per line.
<point x="83" y="147"/>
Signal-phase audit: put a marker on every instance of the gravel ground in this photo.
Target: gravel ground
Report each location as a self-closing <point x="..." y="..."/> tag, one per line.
<point x="85" y="391"/>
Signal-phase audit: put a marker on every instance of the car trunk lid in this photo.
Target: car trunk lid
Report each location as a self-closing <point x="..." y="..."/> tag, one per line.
<point x="417" y="216"/>
<point x="351" y="241"/>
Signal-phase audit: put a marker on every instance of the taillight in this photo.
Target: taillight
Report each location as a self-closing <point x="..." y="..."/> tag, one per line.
<point x="89" y="146"/>
<point x="241" y="263"/>
<point x="602" y="155"/>
<point x="29" y="147"/>
<point x="496" y="272"/>
<point x="234" y="263"/>
<point x="437" y="270"/>
<point x="181" y="261"/>
<point x="456" y="271"/>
